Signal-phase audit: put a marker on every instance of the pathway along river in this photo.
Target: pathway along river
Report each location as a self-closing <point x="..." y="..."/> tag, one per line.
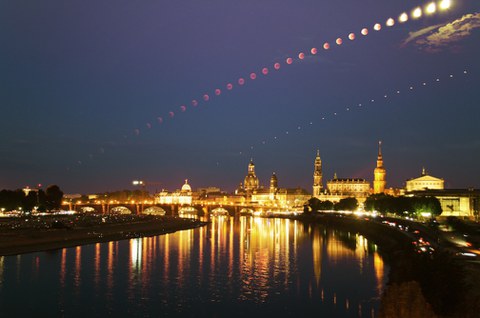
<point x="237" y="267"/>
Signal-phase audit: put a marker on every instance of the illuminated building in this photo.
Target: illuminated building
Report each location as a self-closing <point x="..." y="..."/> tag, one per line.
<point x="279" y="197"/>
<point x="317" y="175"/>
<point x="424" y="182"/>
<point x="348" y="187"/>
<point x="251" y="182"/>
<point x="183" y="196"/>
<point x="379" y="173"/>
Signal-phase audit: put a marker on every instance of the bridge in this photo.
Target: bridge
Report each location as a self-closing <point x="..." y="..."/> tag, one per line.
<point x="200" y="208"/>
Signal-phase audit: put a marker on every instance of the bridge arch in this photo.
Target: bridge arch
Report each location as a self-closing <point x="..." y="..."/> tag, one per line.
<point x="120" y="210"/>
<point x="219" y="211"/>
<point x="87" y="209"/>
<point x="154" y="210"/>
<point x="187" y="210"/>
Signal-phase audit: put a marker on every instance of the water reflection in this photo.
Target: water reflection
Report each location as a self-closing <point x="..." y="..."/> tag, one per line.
<point x="238" y="266"/>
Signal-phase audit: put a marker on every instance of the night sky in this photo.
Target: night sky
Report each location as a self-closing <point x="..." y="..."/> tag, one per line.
<point x="87" y="87"/>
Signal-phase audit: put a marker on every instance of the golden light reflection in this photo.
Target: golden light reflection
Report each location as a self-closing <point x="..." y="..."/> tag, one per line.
<point x="379" y="271"/>
<point x="78" y="266"/>
<point x="96" y="274"/>
<point x="136" y="254"/>
<point x="110" y="265"/>
<point x="63" y="269"/>
<point x="1" y="270"/>
<point x="317" y="247"/>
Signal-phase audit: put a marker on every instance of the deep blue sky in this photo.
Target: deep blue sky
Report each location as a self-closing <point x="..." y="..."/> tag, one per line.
<point x="82" y="81"/>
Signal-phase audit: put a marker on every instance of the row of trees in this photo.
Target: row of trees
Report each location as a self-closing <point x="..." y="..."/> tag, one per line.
<point x="48" y="200"/>
<point x="403" y="205"/>
<point x="382" y="203"/>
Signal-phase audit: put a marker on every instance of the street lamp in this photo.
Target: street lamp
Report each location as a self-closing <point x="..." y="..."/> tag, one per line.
<point x="141" y="184"/>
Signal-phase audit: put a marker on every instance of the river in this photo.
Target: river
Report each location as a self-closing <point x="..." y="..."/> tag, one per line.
<point x="235" y="267"/>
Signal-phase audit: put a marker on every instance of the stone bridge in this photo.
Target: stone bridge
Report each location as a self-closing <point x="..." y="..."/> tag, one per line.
<point x="160" y="209"/>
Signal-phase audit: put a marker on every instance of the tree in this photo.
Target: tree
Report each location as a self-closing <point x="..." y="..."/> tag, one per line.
<point x="53" y="198"/>
<point x="347" y="204"/>
<point x="426" y="205"/>
<point x="318" y="205"/>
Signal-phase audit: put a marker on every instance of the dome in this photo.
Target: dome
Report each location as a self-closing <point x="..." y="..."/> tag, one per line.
<point x="186" y="187"/>
<point x="251" y="182"/>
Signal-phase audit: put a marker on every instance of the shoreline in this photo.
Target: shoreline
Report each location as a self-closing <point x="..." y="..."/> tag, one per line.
<point x="30" y="240"/>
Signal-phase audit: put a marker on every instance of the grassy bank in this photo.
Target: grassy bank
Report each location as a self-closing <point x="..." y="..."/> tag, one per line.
<point x="19" y="236"/>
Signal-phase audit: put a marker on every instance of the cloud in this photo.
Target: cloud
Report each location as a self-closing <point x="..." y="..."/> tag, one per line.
<point x="439" y="37"/>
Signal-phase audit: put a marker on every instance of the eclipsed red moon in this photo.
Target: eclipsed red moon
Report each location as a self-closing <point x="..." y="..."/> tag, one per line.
<point x="276" y="66"/>
<point x="289" y="60"/>
<point x="183" y="108"/>
<point x="314" y="50"/>
<point x="253" y="76"/>
<point x="301" y="55"/>
<point x="194" y="103"/>
<point x="241" y="81"/>
<point x="339" y="41"/>
<point x="206" y="97"/>
<point x="326" y="46"/>
<point x="264" y="71"/>
<point x="218" y="91"/>
<point x="229" y="86"/>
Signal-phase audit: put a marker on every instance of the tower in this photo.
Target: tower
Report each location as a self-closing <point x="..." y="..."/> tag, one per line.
<point x="379" y="173"/>
<point x="273" y="186"/>
<point x="317" y="175"/>
<point x="251" y="181"/>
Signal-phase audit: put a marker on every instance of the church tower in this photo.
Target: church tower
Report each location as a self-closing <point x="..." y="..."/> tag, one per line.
<point x="273" y="186"/>
<point x="379" y="173"/>
<point x="317" y="176"/>
<point x="250" y="183"/>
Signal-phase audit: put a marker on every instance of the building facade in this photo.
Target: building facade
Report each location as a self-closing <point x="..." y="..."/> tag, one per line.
<point x="182" y="196"/>
<point x="424" y="182"/>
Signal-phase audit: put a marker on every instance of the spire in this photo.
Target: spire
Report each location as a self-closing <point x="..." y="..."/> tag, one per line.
<point x="423" y="171"/>
<point x="318" y="153"/>
<point x="379" y="158"/>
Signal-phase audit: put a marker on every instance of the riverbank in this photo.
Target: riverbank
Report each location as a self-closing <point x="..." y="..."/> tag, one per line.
<point x="420" y="284"/>
<point x="26" y="235"/>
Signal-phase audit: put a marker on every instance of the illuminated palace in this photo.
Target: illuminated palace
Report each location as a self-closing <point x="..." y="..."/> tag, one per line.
<point x="273" y="196"/>
<point x="341" y="188"/>
<point x="182" y="197"/>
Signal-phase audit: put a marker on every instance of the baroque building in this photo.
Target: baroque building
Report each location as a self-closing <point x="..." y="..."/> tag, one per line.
<point x="379" y="181"/>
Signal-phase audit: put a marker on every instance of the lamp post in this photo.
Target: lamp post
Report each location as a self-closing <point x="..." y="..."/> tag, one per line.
<point x="141" y="184"/>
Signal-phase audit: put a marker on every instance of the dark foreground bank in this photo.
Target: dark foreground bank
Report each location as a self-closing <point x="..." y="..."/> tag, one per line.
<point x="34" y="234"/>
<point x="433" y="284"/>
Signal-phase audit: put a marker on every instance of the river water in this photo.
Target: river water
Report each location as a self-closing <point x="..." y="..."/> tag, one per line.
<point x="233" y="267"/>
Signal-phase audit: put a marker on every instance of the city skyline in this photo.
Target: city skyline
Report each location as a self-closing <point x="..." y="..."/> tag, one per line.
<point x="97" y="95"/>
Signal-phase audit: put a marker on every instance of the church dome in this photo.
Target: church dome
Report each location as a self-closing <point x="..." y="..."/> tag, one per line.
<point x="250" y="182"/>
<point x="186" y="187"/>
